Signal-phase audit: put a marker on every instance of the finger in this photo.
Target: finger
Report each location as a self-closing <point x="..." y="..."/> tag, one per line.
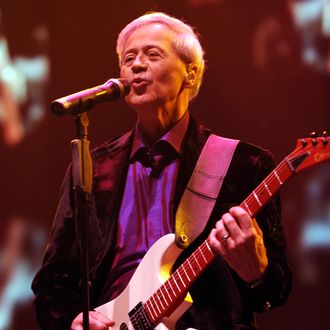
<point x="231" y="226"/>
<point x="243" y="219"/>
<point x="215" y="242"/>
<point x="77" y="323"/>
<point x="76" y="327"/>
<point x="222" y="233"/>
<point x="96" y="323"/>
<point x="100" y="317"/>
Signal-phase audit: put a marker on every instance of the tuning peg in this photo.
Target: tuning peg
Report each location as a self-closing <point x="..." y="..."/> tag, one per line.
<point x="313" y="136"/>
<point x="304" y="143"/>
<point x="325" y="138"/>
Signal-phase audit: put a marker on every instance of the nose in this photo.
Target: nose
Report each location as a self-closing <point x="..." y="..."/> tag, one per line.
<point x="139" y="65"/>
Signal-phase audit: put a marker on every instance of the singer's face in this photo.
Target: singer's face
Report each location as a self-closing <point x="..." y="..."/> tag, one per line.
<point x="152" y="66"/>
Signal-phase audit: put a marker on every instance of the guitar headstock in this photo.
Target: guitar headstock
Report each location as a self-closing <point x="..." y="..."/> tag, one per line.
<point x="310" y="151"/>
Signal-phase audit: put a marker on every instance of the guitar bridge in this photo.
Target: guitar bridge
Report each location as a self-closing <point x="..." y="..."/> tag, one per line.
<point x="139" y="318"/>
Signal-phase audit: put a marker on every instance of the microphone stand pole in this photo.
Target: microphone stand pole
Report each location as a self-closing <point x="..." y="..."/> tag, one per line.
<point x="82" y="184"/>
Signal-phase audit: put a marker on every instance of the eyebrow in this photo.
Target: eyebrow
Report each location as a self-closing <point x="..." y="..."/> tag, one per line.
<point x="145" y="48"/>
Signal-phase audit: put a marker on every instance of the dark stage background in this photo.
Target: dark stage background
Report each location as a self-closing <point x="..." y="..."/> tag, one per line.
<point x="265" y="83"/>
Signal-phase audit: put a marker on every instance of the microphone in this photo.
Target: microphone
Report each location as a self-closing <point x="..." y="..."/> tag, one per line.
<point x="85" y="100"/>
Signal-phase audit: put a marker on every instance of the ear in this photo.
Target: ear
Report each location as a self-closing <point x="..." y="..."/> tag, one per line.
<point x="191" y="75"/>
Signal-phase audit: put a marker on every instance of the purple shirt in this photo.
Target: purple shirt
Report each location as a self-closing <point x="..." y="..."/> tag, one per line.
<point x="146" y="212"/>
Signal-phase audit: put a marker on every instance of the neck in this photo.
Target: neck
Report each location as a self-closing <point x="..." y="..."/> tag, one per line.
<point x="154" y="123"/>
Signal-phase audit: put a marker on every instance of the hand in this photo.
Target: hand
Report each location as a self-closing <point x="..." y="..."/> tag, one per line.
<point x="239" y="240"/>
<point x="97" y="321"/>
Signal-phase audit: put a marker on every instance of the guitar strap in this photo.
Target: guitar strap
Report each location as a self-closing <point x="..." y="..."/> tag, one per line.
<point x="203" y="188"/>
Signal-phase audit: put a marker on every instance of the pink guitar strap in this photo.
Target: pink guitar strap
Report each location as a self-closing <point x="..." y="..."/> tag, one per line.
<point x="203" y="188"/>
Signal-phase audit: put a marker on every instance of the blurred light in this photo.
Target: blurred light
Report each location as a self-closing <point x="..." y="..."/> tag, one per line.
<point x="16" y="291"/>
<point x="4" y="56"/>
<point x="326" y="19"/>
<point x="34" y="69"/>
<point x="307" y="12"/>
<point x="316" y="234"/>
<point x="312" y="20"/>
<point x="310" y="55"/>
<point x="16" y="81"/>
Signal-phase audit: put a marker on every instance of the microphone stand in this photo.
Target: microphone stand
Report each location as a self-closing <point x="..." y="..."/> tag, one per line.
<point x="82" y="173"/>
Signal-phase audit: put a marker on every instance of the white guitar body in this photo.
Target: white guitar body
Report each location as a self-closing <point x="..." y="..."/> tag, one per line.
<point x="153" y="271"/>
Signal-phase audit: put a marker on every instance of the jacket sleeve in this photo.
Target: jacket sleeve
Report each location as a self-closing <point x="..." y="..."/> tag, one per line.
<point x="56" y="285"/>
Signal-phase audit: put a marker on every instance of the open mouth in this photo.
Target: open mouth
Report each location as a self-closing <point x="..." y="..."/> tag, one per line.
<point x="139" y="82"/>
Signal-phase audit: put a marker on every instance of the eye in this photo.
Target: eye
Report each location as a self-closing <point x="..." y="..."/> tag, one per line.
<point x="153" y="54"/>
<point x="128" y="59"/>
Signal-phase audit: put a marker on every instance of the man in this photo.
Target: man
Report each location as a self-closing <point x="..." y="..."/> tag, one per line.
<point x="137" y="185"/>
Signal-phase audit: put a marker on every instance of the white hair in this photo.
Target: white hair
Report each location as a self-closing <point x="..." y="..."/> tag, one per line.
<point x="186" y="43"/>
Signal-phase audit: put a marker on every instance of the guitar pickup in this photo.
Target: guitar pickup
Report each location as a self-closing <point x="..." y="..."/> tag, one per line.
<point x="139" y="318"/>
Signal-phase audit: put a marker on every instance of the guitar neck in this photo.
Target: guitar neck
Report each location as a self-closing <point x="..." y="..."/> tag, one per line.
<point x="268" y="188"/>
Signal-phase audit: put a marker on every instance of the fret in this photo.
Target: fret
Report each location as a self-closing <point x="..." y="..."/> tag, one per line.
<point x="155" y="304"/>
<point x="176" y="282"/>
<point x="168" y="294"/>
<point x="151" y="310"/>
<point x="248" y="209"/>
<point x="208" y="246"/>
<point x="256" y="198"/>
<point x="186" y="273"/>
<point x="267" y="188"/>
<point x="164" y="298"/>
<point x="159" y="299"/>
<point x="184" y="284"/>
<point x="169" y="282"/>
<point x="191" y="267"/>
<point x="202" y="254"/>
<point x="277" y="177"/>
<point x="197" y="261"/>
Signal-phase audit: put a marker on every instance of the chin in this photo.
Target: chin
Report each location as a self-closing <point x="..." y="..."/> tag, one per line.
<point x="139" y="101"/>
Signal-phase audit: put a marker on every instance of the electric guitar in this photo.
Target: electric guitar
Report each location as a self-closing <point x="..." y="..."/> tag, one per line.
<point x="156" y="300"/>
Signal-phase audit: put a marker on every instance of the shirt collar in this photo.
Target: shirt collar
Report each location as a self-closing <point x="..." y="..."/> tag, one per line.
<point x="174" y="136"/>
